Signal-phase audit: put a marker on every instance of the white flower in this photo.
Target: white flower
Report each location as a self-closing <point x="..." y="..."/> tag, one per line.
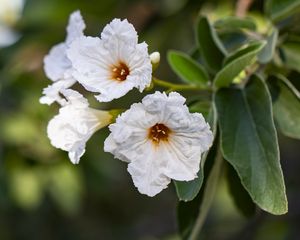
<point x="161" y="140"/>
<point x="56" y="64"/>
<point x="112" y="65"/>
<point x="75" y="124"/>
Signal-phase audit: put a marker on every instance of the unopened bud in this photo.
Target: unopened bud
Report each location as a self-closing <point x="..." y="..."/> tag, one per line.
<point x="155" y="59"/>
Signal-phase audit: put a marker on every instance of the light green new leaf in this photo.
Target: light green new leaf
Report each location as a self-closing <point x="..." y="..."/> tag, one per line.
<point x="286" y="106"/>
<point x="266" y="54"/>
<point x="187" y="191"/>
<point x="249" y="143"/>
<point x="291" y="52"/>
<point x="188" y="69"/>
<point x="236" y="63"/>
<point x="210" y="46"/>
<point x="234" y="23"/>
<point x="279" y="9"/>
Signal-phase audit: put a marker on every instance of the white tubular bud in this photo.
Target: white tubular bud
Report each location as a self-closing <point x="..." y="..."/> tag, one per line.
<point x="155" y="59"/>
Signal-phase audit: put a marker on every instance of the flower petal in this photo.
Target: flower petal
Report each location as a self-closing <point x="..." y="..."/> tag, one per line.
<point x="94" y="62"/>
<point x="75" y="124"/>
<point x="52" y="92"/>
<point x="56" y="62"/>
<point x="155" y="154"/>
<point x="75" y="27"/>
<point x="148" y="175"/>
<point x="121" y="30"/>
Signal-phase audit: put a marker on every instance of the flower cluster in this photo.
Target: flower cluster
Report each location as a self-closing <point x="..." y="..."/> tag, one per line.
<point x="159" y="138"/>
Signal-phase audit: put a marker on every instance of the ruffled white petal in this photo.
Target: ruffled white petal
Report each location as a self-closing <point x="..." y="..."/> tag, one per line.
<point x="122" y="30"/>
<point x="75" y="27"/>
<point x="57" y="66"/>
<point x="75" y="124"/>
<point x="148" y="175"/>
<point x="56" y="62"/>
<point x="152" y="165"/>
<point x="52" y="92"/>
<point x="94" y="62"/>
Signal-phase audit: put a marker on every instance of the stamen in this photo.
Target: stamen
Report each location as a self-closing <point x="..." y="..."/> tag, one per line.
<point x="159" y="132"/>
<point x="119" y="71"/>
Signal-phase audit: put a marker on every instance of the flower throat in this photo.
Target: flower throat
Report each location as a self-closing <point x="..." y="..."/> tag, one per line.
<point x="120" y="71"/>
<point x="159" y="132"/>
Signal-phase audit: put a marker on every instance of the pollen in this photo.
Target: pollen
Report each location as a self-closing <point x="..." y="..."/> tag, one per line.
<point x="159" y="132"/>
<point x="120" y="71"/>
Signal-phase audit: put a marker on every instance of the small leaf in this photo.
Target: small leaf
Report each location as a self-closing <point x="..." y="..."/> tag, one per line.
<point x="187" y="191"/>
<point x="188" y="69"/>
<point x="291" y="51"/>
<point x="279" y="9"/>
<point x="234" y="23"/>
<point x="249" y="143"/>
<point x="286" y="105"/>
<point x="210" y="46"/>
<point x="238" y="193"/>
<point x="266" y="54"/>
<point x="236" y="63"/>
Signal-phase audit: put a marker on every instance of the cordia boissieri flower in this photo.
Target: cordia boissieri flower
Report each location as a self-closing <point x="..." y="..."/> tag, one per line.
<point x="113" y="64"/>
<point x="161" y="140"/>
<point x="56" y="64"/>
<point x="75" y="124"/>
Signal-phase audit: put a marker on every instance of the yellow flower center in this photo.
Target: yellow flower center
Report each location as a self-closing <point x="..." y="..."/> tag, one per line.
<point x="120" y="71"/>
<point x="159" y="132"/>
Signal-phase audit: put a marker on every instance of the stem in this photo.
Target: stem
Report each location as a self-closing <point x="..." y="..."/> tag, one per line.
<point x="208" y="197"/>
<point x="242" y="7"/>
<point x="178" y="87"/>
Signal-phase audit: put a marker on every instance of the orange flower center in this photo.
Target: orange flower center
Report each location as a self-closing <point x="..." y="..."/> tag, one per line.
<point x="120" y="71"/>
<point x="159" y="132"/>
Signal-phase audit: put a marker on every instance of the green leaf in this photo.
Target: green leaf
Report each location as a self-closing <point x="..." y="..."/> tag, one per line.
<point x="187" y="212"/>
<point x="236" y="63"/>
<point x="249" y="143"/>
<point x="291" y="52"/>
<point x="286" y="105"/>
<point x="210" y="47"/>
<point x="188" y="69"/>
<point x="234" y="23"/>
<point x="238" y="193"/>
<point x="279" y="9"/>
<point x="266" y="54"/>
<point x="187" y="191"/>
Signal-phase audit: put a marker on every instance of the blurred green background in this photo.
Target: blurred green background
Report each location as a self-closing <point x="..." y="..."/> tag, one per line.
<point x="44" y="196"/>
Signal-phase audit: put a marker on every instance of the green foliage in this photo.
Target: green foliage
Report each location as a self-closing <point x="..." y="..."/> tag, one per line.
<point x="291" y="58"/>
<point x="267" y="53"/>
<point x="249" y="143"/>
<point x="240" y="196"/>
<point x="238" y="53"/>
<point x="232" y="23"/>
<point x="210" y="46"/>
<point x="279" y="9"/>
<point x="286" y="105"/>
<point x="236" y="63"/>
<point x="188" y="69"/>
